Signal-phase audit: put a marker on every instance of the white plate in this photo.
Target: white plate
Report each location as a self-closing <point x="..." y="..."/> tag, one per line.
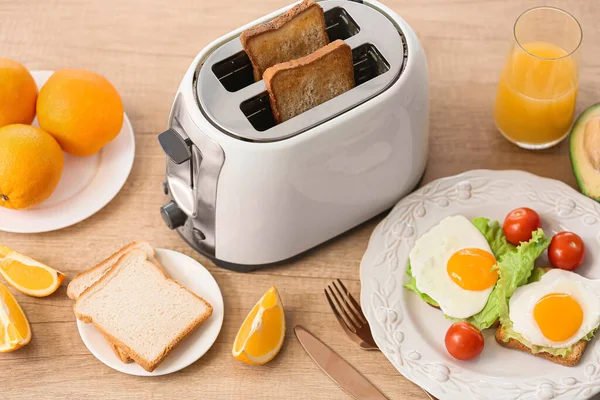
<point x="411" y="334"/>
<point x="87" y="184"/>
<point x="191" y="274"/>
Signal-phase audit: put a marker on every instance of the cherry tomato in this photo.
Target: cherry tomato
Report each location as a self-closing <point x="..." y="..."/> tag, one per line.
<point x="566" y="251"/>
<point x="520" y="224"/>
<point x="464" y="341"/>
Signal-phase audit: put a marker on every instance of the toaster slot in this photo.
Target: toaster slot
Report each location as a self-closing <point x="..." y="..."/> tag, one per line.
<point x="368" y="64"/>
<point x="339" y="24"/>
<point x="235" y="72"/>
<point x="258" y="111"/>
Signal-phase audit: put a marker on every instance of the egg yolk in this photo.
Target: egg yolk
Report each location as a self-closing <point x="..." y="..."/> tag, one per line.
<point x="472" y="269"/>
<point x="558" y="315"/>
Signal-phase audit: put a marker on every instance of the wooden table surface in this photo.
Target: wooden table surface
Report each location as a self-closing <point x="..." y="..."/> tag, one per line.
<point x="144" y="47"/>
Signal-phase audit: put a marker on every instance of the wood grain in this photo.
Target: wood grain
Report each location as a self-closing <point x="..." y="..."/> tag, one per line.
<point x="144" y="47"/>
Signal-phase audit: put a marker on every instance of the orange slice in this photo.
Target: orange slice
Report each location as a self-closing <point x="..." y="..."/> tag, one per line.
<point x="27" y="275"/>
<point x="261" y="335"/>
<point x="15" y="331"/>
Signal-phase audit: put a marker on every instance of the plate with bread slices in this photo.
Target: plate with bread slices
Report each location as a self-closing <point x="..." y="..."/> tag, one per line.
<point x="146" y="311"/>
<point x="486" y="285"/>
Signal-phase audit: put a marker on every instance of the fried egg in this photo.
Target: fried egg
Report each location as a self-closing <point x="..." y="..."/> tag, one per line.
<point x="556" y="311"/>
<point x="454" y="265"/>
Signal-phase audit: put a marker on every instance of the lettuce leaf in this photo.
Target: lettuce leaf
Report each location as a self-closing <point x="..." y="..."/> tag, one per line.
<point x="562" y="351"/>
<point x="494" y="235"/>
<point x="536" y="275"/>
<point x="514" y="269"/>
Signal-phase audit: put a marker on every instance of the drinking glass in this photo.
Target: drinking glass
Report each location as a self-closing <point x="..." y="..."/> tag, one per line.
<point x="537" y="91"/>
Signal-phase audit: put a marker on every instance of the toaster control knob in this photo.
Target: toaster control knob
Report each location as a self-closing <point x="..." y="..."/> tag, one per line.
<point x="172" y="215"/>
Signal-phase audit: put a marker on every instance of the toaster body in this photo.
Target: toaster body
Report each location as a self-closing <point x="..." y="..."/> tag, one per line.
<point x="247" y="193"/>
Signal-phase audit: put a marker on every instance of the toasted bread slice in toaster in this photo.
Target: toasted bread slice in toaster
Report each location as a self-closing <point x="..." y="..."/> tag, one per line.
<point x="299" y="85"/>
<point x="294" y="34"/>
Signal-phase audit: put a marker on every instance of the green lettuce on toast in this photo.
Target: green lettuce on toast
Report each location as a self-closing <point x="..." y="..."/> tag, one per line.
<point x="515" y="267"/>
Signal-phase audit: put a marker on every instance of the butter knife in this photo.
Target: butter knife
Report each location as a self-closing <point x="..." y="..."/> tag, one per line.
<point x="342" y="373"/>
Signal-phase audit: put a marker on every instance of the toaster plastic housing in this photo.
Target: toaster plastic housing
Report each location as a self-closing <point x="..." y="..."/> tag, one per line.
<point x="248" y="193"/>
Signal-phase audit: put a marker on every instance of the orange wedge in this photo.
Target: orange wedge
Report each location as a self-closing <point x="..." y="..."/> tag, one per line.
<point x="27" y="275"/>
<point x="261" y="335"/>
<point x="14" y="327"/>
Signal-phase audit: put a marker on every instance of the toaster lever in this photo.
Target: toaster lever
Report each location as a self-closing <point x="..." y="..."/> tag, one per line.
<point x="174" y="146"/>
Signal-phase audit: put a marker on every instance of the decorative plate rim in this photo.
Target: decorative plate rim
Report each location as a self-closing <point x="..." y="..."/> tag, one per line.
<point x="382" y="291"/>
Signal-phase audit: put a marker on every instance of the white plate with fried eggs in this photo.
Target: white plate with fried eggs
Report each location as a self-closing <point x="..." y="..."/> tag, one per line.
<point x="411" y="333"/>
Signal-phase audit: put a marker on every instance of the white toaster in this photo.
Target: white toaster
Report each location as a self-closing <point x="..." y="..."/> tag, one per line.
<point x="247" y="193"/>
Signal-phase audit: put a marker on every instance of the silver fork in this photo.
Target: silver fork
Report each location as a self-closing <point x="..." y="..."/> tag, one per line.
<point x="350" y="316"/>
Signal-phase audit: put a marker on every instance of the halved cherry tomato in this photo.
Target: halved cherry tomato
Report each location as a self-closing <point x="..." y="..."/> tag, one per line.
<point x="520" y="224"/>
<point x="566" y="251"/>
<point x="464" y="341"/>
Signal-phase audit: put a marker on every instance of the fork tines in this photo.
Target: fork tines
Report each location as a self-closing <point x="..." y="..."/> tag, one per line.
<point x="345" y="306"/>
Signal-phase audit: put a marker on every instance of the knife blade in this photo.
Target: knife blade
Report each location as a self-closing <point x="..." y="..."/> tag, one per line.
<point x="342" y="373"/>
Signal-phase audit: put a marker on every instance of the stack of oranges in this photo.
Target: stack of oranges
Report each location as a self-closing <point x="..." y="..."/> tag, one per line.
<point x="78" y="111"/>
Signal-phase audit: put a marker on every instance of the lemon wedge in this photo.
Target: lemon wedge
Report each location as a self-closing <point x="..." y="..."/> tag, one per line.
<point x="261" y="335"/>
<point x="15" y="331"/>
<point x="27" y="275"/>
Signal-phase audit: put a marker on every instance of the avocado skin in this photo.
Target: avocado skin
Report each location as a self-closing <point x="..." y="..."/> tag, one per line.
<point x="576" y="158"/>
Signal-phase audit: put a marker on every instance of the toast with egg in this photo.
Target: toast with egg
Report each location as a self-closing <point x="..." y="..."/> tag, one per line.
<point x="571" y="359"/>
<point x="294" y="34"/>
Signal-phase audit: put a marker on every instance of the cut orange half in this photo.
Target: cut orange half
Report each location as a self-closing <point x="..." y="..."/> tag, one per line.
<point x="27" y="275"/>
<point x="15" y="331"/>
<point x="261" y="335"/>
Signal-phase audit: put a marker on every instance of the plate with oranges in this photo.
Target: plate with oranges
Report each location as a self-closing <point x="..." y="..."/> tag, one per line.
<point x="66" y="147"/>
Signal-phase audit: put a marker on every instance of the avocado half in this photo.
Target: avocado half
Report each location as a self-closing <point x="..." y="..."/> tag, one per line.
<point x="585" y="151"/>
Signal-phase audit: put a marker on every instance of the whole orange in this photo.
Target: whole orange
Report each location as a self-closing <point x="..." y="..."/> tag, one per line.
<point x="18" y="93"/>
<point x="81" y="109"/>
<point x="31" y="164"/>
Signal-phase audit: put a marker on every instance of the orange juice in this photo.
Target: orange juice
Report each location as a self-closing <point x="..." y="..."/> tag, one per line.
<point x="536" y="96"/>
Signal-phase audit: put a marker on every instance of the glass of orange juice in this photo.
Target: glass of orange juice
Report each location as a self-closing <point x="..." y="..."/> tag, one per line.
<point x="535" y="103"/>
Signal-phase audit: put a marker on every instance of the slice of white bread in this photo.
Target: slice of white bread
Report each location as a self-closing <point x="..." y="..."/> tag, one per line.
<point x="297" y="86"/>
<point x="87" y="278"/>
<point x="141" y="310"/>
<point x="294" y="34"/>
